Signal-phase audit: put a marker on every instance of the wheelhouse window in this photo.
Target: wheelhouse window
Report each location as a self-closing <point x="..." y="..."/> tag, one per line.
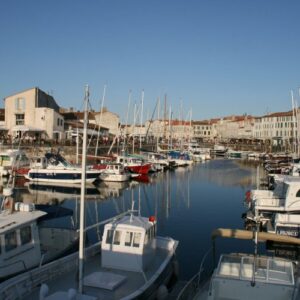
<point x="113" y="237"/>
<point x="10" y="241"/>
<point x="133" y="239"/>
<point x="109" y="236"/>
<point x="128" y="239"/>
<point x="20" y="119"/>
<point x="25" y="234"/>
<point x="117" y="237"/>
<point x="136" y="239"/>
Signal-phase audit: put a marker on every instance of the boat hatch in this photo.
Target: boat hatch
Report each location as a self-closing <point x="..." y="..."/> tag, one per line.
<point x="271" y="270"/>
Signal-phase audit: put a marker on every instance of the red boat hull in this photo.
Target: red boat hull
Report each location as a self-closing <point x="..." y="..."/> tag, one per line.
<point x="140" y="169"/>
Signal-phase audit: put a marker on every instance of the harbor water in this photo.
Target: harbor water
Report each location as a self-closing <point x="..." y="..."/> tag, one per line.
<point x="188" y="203"/>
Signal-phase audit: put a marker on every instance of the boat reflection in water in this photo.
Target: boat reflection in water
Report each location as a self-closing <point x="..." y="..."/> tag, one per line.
<point x="112" y="189"/>
<point x="49" y="192"/>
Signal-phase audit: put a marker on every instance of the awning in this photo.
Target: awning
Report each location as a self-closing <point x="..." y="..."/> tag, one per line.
<point x="26" y="128"/>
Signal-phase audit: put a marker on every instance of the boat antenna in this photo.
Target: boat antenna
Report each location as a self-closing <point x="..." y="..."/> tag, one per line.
<point x="83" y="177"/>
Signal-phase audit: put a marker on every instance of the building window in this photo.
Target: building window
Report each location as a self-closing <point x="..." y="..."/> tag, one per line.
<point x="20" y="103"/>
<point x="20" y="119"/>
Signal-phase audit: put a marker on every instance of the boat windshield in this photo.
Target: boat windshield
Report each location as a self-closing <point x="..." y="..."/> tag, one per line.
<point x="4" y="160"/>
<point x="272" y="270"/>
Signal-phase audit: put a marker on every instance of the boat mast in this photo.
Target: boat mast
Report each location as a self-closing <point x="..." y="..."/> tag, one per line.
<point x="141" y="119"/>
<point x="83" y="177"/>
<point x="191" y="128"/>
<point x="294" y="125"/>
<point x="133" y="129"/>
<point x="126" y="128"/>
<point x="158" y="127"/>
<point x="99" y="124"/>
<point x="170" y="135"/>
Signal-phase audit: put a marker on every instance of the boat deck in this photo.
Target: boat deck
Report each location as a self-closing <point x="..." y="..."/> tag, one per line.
<point x="129" y="282"/>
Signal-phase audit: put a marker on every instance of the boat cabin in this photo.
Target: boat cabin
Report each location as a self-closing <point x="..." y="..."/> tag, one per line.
<point x="129" y="243"/>
<point x="38" y="163"/>
<point x="287" y="200"/>
<point x="19" y="239"/>
<point x="128" y="160"/>
<point x="114" y="168"/>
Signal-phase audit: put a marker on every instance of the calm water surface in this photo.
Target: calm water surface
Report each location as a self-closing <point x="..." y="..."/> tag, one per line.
<point x="188" y="203"/>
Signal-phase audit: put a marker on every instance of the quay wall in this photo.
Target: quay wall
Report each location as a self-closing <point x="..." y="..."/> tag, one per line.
<point x="69" y="151"/>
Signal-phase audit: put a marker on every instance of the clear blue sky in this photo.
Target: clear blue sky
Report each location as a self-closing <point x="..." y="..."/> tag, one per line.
<point x="218" y="57"/>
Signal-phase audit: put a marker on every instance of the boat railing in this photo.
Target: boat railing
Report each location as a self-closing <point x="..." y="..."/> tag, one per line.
<point x="274" y="270"/>
<point x="270" y="202"/>
<point x="109" y="220"/>
<point x="196" y="282"/>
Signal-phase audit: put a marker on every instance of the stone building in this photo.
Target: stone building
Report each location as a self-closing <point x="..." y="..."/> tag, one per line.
<point x="33" y="113"/>
<point x="278" y="129"/>
<point x="108" y="120"/>
<point x="202" y="130"/>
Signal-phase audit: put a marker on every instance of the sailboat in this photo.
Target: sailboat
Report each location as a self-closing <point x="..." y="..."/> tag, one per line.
<point x="131" y="262"/>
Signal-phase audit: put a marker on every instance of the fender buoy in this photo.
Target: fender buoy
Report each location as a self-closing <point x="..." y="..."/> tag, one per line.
<point x="8" y="204"/>
<point x="162" y="292"/>
<point x="248" y="196"/>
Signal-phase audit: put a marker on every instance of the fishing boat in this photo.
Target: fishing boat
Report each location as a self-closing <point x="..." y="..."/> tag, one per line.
<point x="54" y="168"/>
<point x="114" y="172"/>
<point x="29" y="240"/>
<point x="158" y="161"/>
<point x="246" y="276"/>
<point x="131" y="262"/>
<point x="134" y="164"/>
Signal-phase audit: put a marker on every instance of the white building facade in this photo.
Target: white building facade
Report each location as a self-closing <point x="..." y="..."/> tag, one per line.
<point x="33" y="112"/>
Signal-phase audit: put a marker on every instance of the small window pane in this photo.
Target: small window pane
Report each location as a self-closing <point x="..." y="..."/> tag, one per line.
<point x="25" y="234"/>
<point x="10" y="241"/>
<point x="147" y="236"/>
<point x="298" y="194"/>
<point x="109" y="236"/>
<point x="128" y="239"/>
<point x="136" y="239"/>
<point x="117" y="237"/>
